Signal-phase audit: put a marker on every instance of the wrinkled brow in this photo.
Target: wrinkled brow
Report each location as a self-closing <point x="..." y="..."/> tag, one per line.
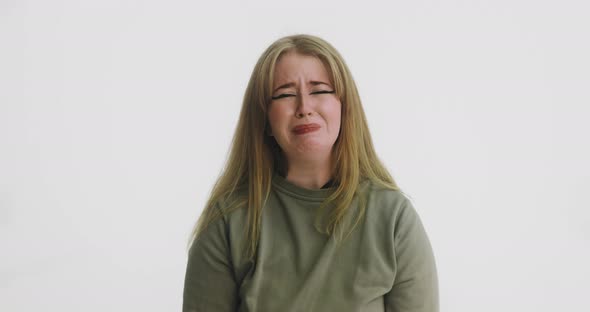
<point x="292" y="84"/>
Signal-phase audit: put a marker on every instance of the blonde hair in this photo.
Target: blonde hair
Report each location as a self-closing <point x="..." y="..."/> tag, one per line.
<point x="245" y="182"/>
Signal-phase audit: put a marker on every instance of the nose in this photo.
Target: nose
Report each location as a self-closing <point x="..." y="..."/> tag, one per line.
<point x="304" y="107"/>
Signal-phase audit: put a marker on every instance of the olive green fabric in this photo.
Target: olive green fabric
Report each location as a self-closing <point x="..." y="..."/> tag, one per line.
<point x="386" y="264"/>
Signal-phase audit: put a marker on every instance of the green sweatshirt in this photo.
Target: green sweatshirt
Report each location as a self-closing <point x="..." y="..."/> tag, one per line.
<point x="386" y="264"/>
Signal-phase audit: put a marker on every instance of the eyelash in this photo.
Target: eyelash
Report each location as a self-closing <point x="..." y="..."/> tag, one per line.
<point x="288" y="95"/>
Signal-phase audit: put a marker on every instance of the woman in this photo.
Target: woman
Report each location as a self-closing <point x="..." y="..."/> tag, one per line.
<point x="304" y="216"/>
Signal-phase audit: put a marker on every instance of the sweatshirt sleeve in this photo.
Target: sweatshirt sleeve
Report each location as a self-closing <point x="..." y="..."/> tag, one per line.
<point x="415" y="288"/>
<point x="209" y="283"/>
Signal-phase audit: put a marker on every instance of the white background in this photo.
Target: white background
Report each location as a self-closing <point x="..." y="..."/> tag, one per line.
<point x="116" y="117"/>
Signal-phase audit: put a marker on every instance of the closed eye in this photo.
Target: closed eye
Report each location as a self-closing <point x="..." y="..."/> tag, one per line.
<point x="281" y="96"/>
<point x="284" y="95"/>
<point x="322" y="92"/>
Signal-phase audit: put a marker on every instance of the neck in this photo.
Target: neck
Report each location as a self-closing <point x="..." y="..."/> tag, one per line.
<point x="309" y="174"/>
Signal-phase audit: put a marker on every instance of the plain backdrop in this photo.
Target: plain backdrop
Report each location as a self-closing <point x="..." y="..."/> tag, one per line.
<point x="116" y="119"/>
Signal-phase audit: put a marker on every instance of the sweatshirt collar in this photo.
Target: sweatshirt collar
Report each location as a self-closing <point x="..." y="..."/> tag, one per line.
<point x="313" y="194"/>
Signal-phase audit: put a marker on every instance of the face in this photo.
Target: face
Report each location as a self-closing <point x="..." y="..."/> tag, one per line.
<point x="304" y="113"/>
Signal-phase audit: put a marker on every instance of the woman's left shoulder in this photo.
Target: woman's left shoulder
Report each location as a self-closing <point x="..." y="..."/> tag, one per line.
<point x="384" y="196"/>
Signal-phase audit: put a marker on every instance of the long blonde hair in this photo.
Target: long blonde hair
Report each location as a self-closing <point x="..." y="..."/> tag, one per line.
<point x="245" y="181"/>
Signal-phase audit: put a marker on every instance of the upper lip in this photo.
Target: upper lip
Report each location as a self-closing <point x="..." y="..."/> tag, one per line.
<point x="306" y="126"/>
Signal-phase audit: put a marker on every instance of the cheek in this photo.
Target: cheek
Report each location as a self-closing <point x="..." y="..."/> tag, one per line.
<point x="333" y="114"/>
<point x="276" y="117"/>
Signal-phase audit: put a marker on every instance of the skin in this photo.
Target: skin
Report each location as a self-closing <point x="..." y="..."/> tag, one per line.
<point x="304" y="101"/>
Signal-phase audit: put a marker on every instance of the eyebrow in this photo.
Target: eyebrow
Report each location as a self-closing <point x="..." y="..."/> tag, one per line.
<point x="292" y="84"/>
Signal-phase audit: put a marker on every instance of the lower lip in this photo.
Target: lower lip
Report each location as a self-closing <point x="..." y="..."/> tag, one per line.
<point x="306" y="130"/>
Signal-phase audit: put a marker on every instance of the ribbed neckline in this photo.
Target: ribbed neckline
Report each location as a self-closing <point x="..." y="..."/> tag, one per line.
<point x="282" y="185"/>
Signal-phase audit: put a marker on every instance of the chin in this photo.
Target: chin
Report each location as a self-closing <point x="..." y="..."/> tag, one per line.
<point x="313" y="148"/>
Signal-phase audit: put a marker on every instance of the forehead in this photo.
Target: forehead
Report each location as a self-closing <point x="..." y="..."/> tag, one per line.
<point x="292" y="67"/>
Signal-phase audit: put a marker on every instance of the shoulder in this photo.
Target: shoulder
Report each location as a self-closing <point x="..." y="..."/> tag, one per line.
<point x="387" y="198"/>
<point x="231" y="201"/>
<point x="390" y="205"/>
<point x="232" y="208"/>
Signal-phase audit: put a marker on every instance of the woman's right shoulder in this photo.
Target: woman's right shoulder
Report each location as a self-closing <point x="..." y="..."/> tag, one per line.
<point x="230" y="202"/>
